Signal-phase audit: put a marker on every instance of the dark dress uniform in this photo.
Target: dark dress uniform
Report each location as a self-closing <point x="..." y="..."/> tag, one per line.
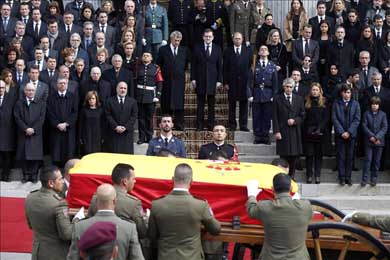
<point x="173" y="71"/>
<point x="62" y="109"/>
<point x="120" y="115"/>
<point x="264" y="88"/>
<point x="190" y="214"/>
<point x="175" y="145"/>
<point x="149" y="82"/>
<point x="207" y="150"/>
<point x="7" y="132"/>
<point x="216" y="13"/>
<point x="47" y="216"/>
<point x="236" y="73"/>
<point x="179" y="14"/>
<point x="30" y="148"/>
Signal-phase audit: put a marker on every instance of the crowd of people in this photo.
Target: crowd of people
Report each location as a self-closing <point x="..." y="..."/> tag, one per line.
<point x="77" y="79"/>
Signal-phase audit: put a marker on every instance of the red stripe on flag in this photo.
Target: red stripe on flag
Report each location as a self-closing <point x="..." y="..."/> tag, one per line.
<point x="15" y="235"/>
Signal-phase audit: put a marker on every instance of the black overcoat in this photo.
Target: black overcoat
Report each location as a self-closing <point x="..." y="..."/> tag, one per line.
<point x="7" y="123"/>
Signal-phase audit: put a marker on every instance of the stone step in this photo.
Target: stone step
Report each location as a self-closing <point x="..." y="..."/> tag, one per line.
<point x="331" y="177"/>
<point x="357" y="202"/>
<point x="325" y="189"/>
<point x="259" y="149"/>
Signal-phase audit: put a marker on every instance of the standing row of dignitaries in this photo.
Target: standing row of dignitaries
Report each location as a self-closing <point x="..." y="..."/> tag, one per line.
<point x="56" y="237"/>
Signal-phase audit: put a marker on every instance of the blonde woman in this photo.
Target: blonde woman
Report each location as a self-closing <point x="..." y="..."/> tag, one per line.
<point x="314" y="136"/>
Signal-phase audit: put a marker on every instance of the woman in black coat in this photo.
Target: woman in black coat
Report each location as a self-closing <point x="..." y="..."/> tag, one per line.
<point x="91" y="124"/>
<point x="367" y="43"/>
<point x="324" y="39"/>
<point x="277" y="52"/>
<point x="314" y="133"/>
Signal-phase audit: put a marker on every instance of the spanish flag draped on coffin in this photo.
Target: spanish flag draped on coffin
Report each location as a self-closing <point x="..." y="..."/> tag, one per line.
<point x="222" y="184"/>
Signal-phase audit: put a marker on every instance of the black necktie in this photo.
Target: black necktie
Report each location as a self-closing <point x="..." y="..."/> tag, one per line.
<point x="25" y="20"/>
<point x="5" y="23"/>
<point x="378" y="35"/>
<point x="39" y="64"/>
<point x="238" y="51"/>
<point x="166" y="141"/>
<point x="376" y="90"/>
<point x="289" y="99"/>
<point x="36" y="29"/>
<point x="68" y="29"/>
<point x="50" y="73"/>
<point x="306" y="47"/>
<point x="86" y="43"/>
<point x="365" y="74"/>
<point x="19" y="78"/>
<point x="174" y="52"/>
<point x="263" y="64"/>
<point x="102" y="28"/>
<point x="208" y="50"/>
<point x="340" y="45"/>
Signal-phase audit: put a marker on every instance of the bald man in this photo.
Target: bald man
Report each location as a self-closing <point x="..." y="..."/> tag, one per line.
<point x="127" y="238"/>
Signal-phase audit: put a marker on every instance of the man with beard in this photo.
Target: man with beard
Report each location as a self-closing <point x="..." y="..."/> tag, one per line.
<point x="166" y="140"/>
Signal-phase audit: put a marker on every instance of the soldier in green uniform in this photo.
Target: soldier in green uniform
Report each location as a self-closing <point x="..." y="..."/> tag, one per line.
<point x="126" y="237"/>
<point x="285" y="220"/>
<point x="381" y="222"/>
<point x="175" y="220"/>
<point x="127" y="207"/>
<point x="47" y="215"/>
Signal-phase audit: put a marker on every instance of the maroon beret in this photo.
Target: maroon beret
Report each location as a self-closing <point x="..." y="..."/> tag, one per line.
<point x="97" y="234"/>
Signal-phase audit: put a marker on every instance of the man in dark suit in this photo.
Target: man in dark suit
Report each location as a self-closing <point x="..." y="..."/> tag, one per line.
<point x="95" y="83"/>
<point x="376" y="89"/>
<point x="100" y="42"/>
<point x="126" y="238"/>
<point x="365" y="70"/>
<point x="42" y="5"/>
<point x="305" y="46"/>
<point x="321" y="16"/>
<point x="56" y="39"/>
<point x="7" y="129"/>
<point x="172" y="60"/>
<point x="72" y="85"/>
<point x="308" y="72"/>
<point x="75" y="43"/>
<point x="24" y="13"/>
<point x="41" y="90"/>
<point x="14" y="5"/>
<point x="62" y="109"/>
<point x="206" y="75"/>
<point x="87" y="38"/>
<point x="378" y="30"/>
<point x="38" y="60"/>
<point x="236" y="76"/>
<point x="288" y="113"/>
<point x="346" y="119"/>
<point x="290" y="216"/>
<point x="104" y="27"/>
<point x="118" y="74"/>
<point x="36" y="28"/>
<point x="121" y="113"/>
<point x="44" y="43"/>
<point x="69" y="27"/>
<point x="299" y="88"/>
<point x="50" y="73"/>
<point x="265" y="87"/>
<point x="29" y="114"/>
<point x="7" y="22"/>
<point x="191" y="214"/>
<point x="341" y="53"/>
<point x="20" y="76"/>
<point x="26" y="41"/>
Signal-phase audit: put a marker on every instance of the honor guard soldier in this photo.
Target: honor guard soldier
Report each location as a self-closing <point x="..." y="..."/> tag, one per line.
<point x="179" y="14"/>
<point x="264" y="88"/>
<point x="166" y="140"/>
<point x="219" y="135"/>
<point x="149" y="83"/>
<point x="217" y="17"/>
<point x="240" y="19"/>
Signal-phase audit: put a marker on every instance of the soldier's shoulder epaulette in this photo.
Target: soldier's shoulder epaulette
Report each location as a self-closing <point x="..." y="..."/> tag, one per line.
<point x="58" y="197"/>
<point x="131" y="197"/>
<point x="34" y="191"/>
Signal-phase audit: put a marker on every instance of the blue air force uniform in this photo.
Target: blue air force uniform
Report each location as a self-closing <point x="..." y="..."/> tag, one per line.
<point x="173" y="144"/>
<point x="264" y="88"/>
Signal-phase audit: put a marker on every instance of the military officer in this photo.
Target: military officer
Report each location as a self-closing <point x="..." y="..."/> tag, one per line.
<point x="179" y="14"/>
<point x="219" y="135"/>
<point x="166" y="140"/>
<point x="47" y="215"/>
<point x="177" y="236"/>
<point x="264" y="88"/>
<point x="217" y="18"/>
<point x="127" y="207"/>
<point x="156" y="27"/>
<point x="149" y="83"/>
<point x="381" y="222"/>
<point x="240" y="20"/>
<point x="290" y="216"/>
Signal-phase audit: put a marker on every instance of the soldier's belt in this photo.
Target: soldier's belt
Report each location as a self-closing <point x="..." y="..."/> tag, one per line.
<point x="151" y="27"/>
<point x="261" y="86"/>
<point x="146" y="87"/>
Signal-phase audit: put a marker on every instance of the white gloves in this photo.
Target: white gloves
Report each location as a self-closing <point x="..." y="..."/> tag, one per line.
<point x="348" y="216"/>
<point x="296" y="196"/>
<point x="214" y="26"/>
<point x="193" y="83"/>
<point x="80" y="214"/>
<point x="163" y="42"/>
<point x="155" y="100"/>
<point x="250" y="99"/>
<point x="252" y="188"/>
<point x="144" y="42"/>
<point x="218" y="84"/>
<point x="259" y="26"/>
<point x="248" y="44"/>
